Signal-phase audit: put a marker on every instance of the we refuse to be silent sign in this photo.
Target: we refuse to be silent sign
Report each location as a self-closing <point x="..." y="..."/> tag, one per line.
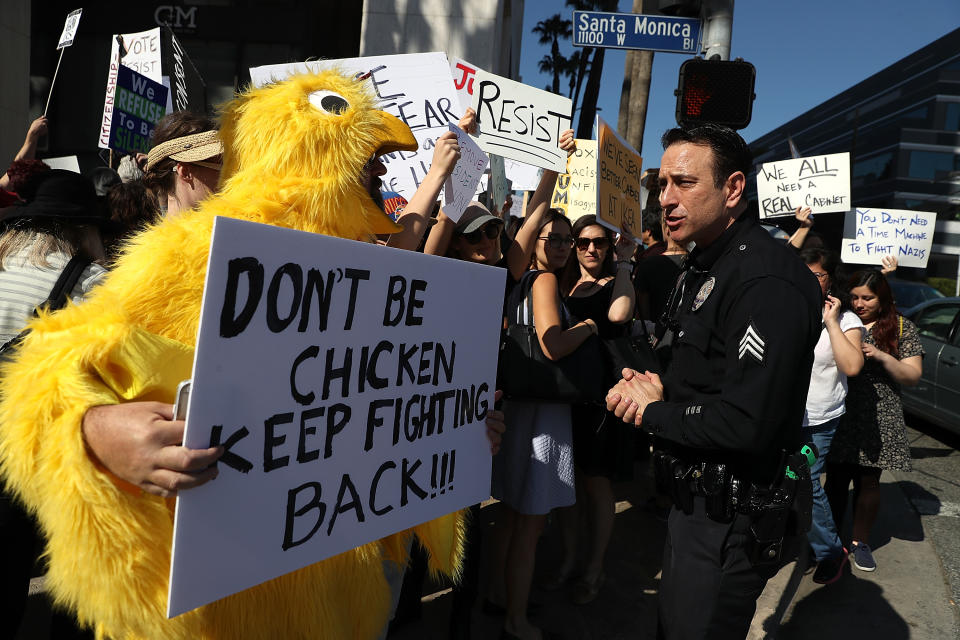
<point x="139" y="103"/>
<point x="349" y="390"/>
<point x="819" y="182"/>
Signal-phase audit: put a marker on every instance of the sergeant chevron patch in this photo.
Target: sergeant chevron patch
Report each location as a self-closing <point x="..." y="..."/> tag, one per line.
<point x="751" y="344"/>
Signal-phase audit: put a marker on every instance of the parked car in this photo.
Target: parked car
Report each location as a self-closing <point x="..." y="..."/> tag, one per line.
<point x="908" y="294"/>
<point x="937" y="396"/>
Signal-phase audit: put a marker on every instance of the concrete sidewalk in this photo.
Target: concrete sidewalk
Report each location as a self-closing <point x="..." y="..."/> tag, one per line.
<point x="905" y="598"/>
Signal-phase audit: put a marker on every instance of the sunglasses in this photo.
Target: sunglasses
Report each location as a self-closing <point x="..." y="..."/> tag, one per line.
<point x="217" y="166"/>
<point x="491" y="230"/>
<point x="600" y="243"/>
<point x="558" y="240"/>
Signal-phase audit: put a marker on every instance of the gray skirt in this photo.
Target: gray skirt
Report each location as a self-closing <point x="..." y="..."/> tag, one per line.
<point x="533" y="472"/>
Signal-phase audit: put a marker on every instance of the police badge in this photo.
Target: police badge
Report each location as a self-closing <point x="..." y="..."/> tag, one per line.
<point x="704" y="293"/>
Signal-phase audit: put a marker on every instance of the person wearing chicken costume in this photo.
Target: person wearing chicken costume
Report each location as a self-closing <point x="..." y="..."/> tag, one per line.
<point x="296" y="155"/>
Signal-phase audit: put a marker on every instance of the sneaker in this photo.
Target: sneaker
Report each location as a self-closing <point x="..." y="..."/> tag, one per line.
<point x="829" y="570"/>
<point x="863" y="557"/>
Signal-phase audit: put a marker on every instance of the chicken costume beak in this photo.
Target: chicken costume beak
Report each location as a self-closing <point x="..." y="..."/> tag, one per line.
<point x="395" y="136"/>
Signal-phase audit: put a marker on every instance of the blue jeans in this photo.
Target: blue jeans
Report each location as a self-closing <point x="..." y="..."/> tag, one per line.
<point x="823" y="532"/>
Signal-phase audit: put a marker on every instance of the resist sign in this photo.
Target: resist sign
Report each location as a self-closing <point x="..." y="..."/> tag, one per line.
<point x="519" y="122"/>
<point x="348" y="383"/>
<point x="871" y="234"/>
<point x="819" y="182"/>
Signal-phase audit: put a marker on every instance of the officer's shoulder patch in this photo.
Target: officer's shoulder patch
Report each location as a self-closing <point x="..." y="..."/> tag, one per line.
<point x="752" y="344"/>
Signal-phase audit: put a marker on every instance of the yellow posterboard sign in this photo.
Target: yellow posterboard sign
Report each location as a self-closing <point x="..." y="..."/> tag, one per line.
<point x="576" y="190"/>
<point x="618" y="181"/>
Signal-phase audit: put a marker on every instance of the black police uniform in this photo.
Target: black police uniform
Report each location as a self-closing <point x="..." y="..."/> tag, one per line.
<point x="741" y="327"/>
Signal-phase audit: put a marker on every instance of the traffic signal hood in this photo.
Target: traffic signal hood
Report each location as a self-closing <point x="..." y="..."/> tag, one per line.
<point x="717" y="91"/>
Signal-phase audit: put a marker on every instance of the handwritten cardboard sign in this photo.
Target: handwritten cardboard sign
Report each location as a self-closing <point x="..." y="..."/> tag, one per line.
<point x="461" y="186"/>
<point x="138" y="105"/>
<point x="819" y="182"/>
<point x="871" y="234"/>
<point x="464" y="75"/>
<point x="576" y="190"/>
<point x="618" y="182"/>
<point x="522" y="176"/>
<point x="415" y="87"/>
<point x="141" y="52"/>
<point x="520" y="122"/>
<point x="349" y="383"/>
<point x="70" y="26"/>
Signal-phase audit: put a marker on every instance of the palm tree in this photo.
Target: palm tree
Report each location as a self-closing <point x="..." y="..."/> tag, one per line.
<point x="592" y="57"/>
<point x="550" y="32"/>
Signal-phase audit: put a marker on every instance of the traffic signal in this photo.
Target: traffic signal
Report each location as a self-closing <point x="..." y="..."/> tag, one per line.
<point x="717" y="91"/>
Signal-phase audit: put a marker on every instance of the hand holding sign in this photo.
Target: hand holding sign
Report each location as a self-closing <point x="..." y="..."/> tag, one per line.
<point x="462" y="183"/>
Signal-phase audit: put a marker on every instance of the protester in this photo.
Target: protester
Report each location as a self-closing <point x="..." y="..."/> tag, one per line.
<point x="655" y="275"/>
<point x="534" y="472"/>
<point x="105" y="371"/>
<point x="652" y="234"/>
<point x="131" y="208"/>
<point x="38" y="240"/>
<point x="183" y="166"/>
<point x="465" y="240"/>
<point x="872" y="435"/>
<point x="28" y="151"/>
<point x="741" y="326"/>
<point x="837" y="356"/>
<point x="596" y="285"/>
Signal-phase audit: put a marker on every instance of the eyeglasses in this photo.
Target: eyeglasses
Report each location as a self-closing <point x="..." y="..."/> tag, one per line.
<point x="820" y="276"/>
<point x="491" y="230"/>
<point x="558" y="240"/>
<point x="599" y="243"/>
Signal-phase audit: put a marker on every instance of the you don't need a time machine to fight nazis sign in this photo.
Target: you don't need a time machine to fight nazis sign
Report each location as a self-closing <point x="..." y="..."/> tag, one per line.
<point x="348" y="383"/>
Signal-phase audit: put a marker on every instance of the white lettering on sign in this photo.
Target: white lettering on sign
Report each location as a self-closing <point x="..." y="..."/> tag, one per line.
<point x="871" y="234"/>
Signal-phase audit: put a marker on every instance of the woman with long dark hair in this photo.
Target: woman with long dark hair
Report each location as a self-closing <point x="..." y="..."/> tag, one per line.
<point x="872" y="435"/>
<point x="838" y="354"/>
<point x="533" y="474"/>
<point x="596" y="285"/>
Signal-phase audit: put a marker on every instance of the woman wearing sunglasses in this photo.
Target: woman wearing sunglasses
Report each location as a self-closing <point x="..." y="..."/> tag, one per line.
<point x="596" y="286"/>
<point x="533" y="473"/>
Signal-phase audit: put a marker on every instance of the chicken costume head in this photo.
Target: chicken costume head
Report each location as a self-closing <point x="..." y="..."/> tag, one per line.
<point x="295" y="155"/>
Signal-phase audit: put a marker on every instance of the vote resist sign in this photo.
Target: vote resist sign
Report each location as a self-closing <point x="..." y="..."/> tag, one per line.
<point x="349" y="384"/>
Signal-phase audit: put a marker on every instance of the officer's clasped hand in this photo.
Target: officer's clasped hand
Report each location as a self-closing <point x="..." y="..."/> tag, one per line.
<point x="629" y="398"/>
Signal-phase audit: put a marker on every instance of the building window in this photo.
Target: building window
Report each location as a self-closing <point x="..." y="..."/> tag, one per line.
<point x="926" y="165"/>
<point x="915" y="118"/>
<point x="872" y="169"/>
<point x="951" y="118"/>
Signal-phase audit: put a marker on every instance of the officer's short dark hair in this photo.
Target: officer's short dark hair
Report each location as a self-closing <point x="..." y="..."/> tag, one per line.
<point x="730" y="151"/>
<point x="651" y="223"/>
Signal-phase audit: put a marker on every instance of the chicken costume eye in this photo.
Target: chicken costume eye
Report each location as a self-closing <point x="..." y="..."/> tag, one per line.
<point x="332" y="103"/>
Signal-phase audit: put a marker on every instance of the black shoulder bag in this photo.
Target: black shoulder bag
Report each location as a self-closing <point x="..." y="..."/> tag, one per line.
<point x="525" y="373"/>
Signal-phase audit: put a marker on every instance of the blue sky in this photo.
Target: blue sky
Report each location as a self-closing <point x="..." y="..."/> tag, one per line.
<point x="805" y="52"/>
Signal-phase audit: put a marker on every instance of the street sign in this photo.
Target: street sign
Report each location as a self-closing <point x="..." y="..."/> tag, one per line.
<point x="636" y="31"/>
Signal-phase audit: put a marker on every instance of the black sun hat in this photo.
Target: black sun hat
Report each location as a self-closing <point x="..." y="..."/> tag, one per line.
<point x="59" y="195"/>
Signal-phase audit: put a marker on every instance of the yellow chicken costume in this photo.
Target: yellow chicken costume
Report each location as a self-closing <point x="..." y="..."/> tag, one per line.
<point x="293" y="154"/>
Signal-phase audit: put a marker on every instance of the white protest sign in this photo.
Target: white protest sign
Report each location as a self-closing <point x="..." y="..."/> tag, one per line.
<point x="141" y="52"/>
<point x="349" y="383"/>
<point x="415" y="87"/>
<point x="520" y="122"/>
<point x="464" y="75"/>
<point x="70" y="163"/>
<point x="70" y="27"/>
<point x="819" y="182"/>
<point x="523" y="177"/>
<point x="461" y="186"/>
<point x="871" y="234"/>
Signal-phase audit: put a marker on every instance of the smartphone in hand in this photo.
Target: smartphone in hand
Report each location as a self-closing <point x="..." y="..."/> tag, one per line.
<point x="183" y="397"/>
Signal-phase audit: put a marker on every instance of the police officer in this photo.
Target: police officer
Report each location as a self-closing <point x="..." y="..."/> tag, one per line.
<point x="739" y="330"/>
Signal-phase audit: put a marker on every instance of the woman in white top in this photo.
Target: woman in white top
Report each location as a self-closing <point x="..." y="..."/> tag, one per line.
<point x="837" y="355"/>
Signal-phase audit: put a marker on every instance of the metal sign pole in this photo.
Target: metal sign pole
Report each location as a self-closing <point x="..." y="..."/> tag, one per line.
<point x="52" y="82"/>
